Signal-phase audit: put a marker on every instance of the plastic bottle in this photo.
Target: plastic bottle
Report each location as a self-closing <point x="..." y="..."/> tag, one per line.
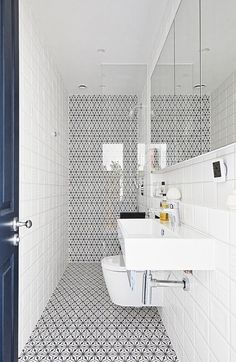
<point x="164" y="216"/>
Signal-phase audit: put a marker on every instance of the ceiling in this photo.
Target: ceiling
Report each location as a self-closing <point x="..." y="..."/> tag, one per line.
<point x="123" y="78"/>
<point x="74" y="30"/>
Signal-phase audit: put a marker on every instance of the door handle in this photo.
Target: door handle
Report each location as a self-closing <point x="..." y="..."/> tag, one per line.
<point x="17" y="224"/>
<point x="16" y="240"/>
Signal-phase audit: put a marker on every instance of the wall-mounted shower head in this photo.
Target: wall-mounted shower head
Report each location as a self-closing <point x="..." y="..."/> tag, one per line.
<point x="132" y="110"/>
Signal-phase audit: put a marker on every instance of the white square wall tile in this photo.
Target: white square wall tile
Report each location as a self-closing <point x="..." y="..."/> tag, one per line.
<point x="212" y="358"/>
<point x="232" y="228"/>
<point x="233" y="263"/>
<point x="233" y="297"/>
<point x="189" y="327"/>
<point x="187" y="195"/>
<point x="201" y="296"/>
<point x="218" y="224"/>
<point x="233" y="333"/>
<point x="219" y="347"/>
<point x="233" y="355"/>
<point x="202" y="323"/>
<point x="201" y="218"/>
<point x="210" y="194"/>
<point x="207" y="171"/>
<point x="197" y="193"/>
<point x="220" y="317"/>
<point x="220" y="287"/>
<point x="210" y="306"/>
<point x="224" y="189"/>
<point x="187" y="174"/>
<point x="197" y="173"/>
<point x="201" y="346"/>
<point x="40" y="175"/>
<point x="188" y="214"/>
<point x="222" y="256"/>
<point x="189" y="351"/>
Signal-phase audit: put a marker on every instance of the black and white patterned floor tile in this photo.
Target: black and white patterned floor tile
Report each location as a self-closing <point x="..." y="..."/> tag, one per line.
<point x="80" y="323"/>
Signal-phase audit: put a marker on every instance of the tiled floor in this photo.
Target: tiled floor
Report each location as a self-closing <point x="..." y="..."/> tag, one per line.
<point x="80" y="323"/>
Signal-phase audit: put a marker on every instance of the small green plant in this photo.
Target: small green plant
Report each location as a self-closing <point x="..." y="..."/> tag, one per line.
<point x="115" y="166"/>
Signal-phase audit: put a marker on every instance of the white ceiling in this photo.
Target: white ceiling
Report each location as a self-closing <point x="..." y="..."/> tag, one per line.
<point x="75" y="29"/>
<point x="123" y="78"/>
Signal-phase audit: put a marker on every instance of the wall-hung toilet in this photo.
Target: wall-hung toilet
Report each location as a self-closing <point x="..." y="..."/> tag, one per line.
<point x="118" y="286"/>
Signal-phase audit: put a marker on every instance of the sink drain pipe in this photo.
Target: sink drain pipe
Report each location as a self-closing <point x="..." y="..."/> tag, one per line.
<point x="149" y="282"/>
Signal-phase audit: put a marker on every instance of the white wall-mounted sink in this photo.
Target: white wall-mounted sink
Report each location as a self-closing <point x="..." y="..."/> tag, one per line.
<point x="144" y="246"/>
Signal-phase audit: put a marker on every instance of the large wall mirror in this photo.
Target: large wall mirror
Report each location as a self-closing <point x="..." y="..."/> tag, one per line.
<point x="193" y="86"/>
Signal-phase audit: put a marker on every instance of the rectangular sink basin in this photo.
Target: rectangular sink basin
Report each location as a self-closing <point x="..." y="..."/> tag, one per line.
<point x="148" y="244"/>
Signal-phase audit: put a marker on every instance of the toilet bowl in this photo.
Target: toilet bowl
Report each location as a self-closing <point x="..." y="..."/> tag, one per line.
<point x="117" y="283"/>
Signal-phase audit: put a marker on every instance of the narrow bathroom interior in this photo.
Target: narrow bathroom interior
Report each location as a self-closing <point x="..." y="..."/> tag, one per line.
<point x="128" y="173"/>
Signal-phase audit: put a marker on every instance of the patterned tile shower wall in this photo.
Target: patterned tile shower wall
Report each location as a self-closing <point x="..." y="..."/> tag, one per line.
<point x="176" y="122"/>
<point x="100" y="186"/>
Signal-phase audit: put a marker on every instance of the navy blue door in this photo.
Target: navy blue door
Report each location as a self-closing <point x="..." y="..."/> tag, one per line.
<point x="9" y="165"/>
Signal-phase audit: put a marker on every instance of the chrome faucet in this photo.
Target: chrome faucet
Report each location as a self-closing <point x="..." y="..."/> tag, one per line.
<point x="150" y="214"/>
<point x="174" y="213"/>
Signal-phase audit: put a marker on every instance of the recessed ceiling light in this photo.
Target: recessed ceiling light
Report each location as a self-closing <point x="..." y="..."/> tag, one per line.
<point x="101" y="50"/>
<point x="82" y="86"/>
<point x="198" y="86"/>
<point x="206" y="49"/>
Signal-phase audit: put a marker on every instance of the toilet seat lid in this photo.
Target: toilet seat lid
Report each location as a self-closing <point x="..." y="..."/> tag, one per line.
<point x="115" y="263"/>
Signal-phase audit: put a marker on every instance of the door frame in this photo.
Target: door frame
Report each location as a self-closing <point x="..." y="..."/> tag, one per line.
<point x="7" y="228"/>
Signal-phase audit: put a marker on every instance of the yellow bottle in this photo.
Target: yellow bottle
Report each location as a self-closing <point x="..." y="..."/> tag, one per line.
<point x="164" y="216"/>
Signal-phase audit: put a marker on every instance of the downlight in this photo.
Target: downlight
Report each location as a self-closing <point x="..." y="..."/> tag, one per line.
<point x="101" y="50"/>
<point x="199" y="86"/>
<point x="206" y="50"/>
<point x="82" y="86"/>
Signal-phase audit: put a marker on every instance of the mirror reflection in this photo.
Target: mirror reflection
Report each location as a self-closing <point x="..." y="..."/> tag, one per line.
<point x="219" y="68"/>
<point x="192" y="85"/>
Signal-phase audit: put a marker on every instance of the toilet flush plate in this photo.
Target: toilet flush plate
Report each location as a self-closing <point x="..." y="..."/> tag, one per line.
<point x="149" y="245"/>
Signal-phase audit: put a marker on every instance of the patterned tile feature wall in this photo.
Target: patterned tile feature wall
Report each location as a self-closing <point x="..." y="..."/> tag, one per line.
<point x="97" y="194"/>
<point x="176" y="122"/>
<point x="223" y="113"/>
<point x="43" y="175"/>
